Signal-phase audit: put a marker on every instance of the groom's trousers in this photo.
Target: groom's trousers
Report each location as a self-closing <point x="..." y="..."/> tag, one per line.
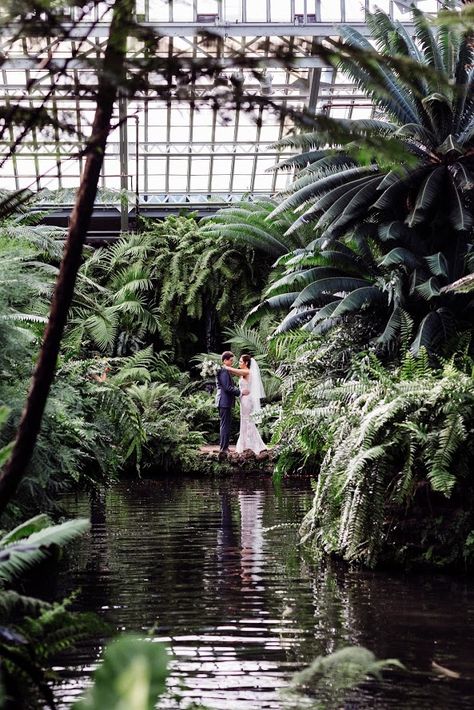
<point x="225" y="415"/>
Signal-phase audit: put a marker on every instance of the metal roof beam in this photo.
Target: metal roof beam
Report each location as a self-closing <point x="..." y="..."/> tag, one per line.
<point x="58" y="64"/>
<point x="221" y="29"/>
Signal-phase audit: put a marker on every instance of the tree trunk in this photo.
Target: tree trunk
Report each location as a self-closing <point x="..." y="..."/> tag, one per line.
<point x="30" y="422"/>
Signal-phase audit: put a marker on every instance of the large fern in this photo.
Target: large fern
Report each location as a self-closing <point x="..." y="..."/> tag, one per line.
<point x="380" y="436"/>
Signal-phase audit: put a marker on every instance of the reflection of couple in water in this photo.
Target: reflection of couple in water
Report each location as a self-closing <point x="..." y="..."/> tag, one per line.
<point x="250" y="391"/>
<point x="240" y="548"/>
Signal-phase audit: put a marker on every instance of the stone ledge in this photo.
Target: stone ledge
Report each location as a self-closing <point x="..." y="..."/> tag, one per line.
<point x="247" y="461"/>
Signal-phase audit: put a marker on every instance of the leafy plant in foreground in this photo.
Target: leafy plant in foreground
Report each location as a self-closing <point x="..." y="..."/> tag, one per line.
<point x="131" y="675"/>
<point x="32" y="631"/>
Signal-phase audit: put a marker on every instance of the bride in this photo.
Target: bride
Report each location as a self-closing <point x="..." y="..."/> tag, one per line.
<point x="251" y="382"/>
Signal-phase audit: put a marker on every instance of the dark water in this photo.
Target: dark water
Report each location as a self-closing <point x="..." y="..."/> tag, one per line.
<point x="240" y="608"/>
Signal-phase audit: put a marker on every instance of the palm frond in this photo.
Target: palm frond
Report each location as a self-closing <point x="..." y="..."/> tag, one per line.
<point x="435" y="328"/>
<point x="23" y="553"/>
<point x="327" y="287"/>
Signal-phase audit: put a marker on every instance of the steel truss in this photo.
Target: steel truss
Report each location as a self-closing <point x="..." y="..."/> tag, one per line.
<point x="178" y="149"/>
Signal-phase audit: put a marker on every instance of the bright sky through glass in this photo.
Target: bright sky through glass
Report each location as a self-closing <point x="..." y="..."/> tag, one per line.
<point x="191" y="153"/>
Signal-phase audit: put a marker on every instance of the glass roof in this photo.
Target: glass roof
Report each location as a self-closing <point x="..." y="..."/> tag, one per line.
<point x="168" y="150"/>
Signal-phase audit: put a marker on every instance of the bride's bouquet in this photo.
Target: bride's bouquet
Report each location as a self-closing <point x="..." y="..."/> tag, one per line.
<point x="209" y="368"/>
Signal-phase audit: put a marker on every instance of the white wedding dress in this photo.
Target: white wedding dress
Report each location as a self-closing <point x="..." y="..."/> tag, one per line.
<point x="249" y="438"/>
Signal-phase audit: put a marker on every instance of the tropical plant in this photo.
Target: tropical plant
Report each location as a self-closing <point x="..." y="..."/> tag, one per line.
<point x="172" y="284"/>
<point x="34" y="631"/>
<point x="389" y="236"/>
<point x="206" y="281"/>
<point x="333" y="676"/>
<point x="153" y="423"/>
<point x="26" y="253"/>
<point x="388" y="446"/>
<point x="113" y="309"/>
<point x="132" y="675"/>
<point x="246" y="223"/>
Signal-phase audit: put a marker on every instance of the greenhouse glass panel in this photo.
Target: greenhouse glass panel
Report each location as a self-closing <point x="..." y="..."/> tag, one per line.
<point x="158" y="11"/>
<point x="232" y="10"/>
<point x="180" y="131"/>
<point x="330" y="11"/>
<point x="182" y="12"/>
<point x="257" y="11"/>
<point x="355" y="12"/>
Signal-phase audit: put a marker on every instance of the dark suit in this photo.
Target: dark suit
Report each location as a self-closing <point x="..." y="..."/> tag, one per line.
<point x="225" y="399"/>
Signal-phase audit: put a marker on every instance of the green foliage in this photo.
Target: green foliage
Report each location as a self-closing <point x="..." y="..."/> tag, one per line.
<point x="91" y="430"/>
<point x="391" y="238"/>
<point x="173" y="284"/>
<point x="141" y="420"/>
<point x="132" y="675"/>
<point x="379" y="439"/>
<point x="332" y="677"/>
<point x="23" y="549"/>
<point x="114" y="309"/>
<point x="247" y="225"/>
<point x="27" y="256"/>
<point x="32" y="631"/>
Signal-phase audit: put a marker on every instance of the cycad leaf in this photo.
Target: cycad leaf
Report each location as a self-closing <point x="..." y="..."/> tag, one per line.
<point x="390" y="198"/>
<point x="390" y="90"/>
<point x="427" y="40"/>
<point x="428" y="196"/>
<point x="295" y="319"/>
<point x="459" y="216"/>
<point x="434" y="329"/>
<point x="392" y="329"/>
<point x="450" y="147"/>
<point x="428" y="289"/>
<point x="332" y="204"/>
<point x="359" y="299"/>
<point x="269" y="306"/>
<point x="464" y="178"/>
<point x="439" y="109"/>
<point x="420" y="133"/>
<point x="324" y="312"/>
<point x="438" y="264"/>
<point x="319" y="187"/>
<point x="463" y="74"/>
<point x="334" y="287"/>
<point x="299" y="161"/>
<point x="300" y="279"/>
<point x="404" y="235"/>
<point x="400" y="257"/>
<point x="358" y="206"/>
<point x="336" y="211"/>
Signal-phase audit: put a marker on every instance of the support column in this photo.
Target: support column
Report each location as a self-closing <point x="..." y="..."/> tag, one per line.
<point x="123" y="143"/>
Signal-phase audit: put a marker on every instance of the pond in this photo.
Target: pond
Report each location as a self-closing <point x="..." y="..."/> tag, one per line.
<point x="196" y="564"/>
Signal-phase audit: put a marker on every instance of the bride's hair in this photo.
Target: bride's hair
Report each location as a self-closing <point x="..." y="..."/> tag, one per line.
<point x="246" y="359"/>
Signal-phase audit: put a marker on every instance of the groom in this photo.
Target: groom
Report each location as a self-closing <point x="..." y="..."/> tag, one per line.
<point x="225" y="398"/>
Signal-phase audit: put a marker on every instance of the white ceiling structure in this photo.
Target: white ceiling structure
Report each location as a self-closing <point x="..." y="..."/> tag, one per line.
<point x="166" y="150"/>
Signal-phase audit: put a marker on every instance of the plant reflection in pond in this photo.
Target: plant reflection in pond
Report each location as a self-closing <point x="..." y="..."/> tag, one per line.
<point x="240" y="607"/>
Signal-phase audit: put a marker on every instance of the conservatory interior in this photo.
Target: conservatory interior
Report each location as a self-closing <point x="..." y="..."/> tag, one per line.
<point x="236" y="381"/>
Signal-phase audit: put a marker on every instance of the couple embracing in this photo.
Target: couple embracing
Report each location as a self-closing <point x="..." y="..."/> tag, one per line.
<point x="250" y="391"/>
